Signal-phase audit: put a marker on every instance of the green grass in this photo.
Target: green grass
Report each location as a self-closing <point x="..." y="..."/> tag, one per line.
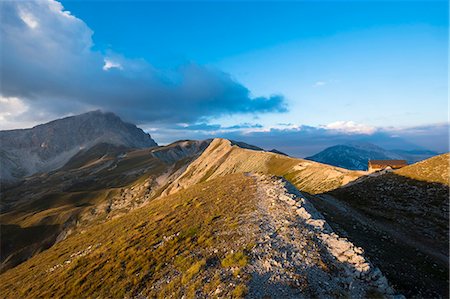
<point x="239" y="291"/>
<point x="79" y="192"/>
<point x="237" y="259"/>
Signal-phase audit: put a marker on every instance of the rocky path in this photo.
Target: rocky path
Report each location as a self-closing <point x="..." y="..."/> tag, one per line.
<point x="298" y="255"/>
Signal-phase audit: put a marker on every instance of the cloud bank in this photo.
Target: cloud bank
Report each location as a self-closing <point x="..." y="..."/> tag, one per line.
<point x="49" y="65"/>
<point x="303" y="141"/>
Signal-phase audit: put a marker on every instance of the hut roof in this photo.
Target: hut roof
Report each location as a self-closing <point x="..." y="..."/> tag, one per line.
<point x="388" y="162"/>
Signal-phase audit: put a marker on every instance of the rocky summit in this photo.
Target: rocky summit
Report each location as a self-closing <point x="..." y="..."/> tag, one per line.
<point x="49" y="146"/>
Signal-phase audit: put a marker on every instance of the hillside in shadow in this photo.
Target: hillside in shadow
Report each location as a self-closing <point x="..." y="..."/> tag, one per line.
<point x="402" y="223"/>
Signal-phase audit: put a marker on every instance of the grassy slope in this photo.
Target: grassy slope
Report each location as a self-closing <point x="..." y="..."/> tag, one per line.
<point x="221" y="158"/>
<point x="94" y="154"/>
<point x="76" y="187"/>
<point x="156" y="250"/>
<point x="49" y="198"/>
<point x="433" y="170"/>
<point x="81" y="193"/>
<point x="47" y="204"/>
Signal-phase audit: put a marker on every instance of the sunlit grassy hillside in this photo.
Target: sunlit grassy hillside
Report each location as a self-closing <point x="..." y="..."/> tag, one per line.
<point x="193" y="241"/>
<point x="433" y="170"/>
<point x="222" y="157"/>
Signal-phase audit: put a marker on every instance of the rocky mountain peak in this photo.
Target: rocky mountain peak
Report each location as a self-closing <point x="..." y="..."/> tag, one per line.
<point x="49" y="146"/>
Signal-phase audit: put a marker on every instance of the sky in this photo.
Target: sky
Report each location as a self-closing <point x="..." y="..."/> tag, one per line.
<point x="293" y="75"/>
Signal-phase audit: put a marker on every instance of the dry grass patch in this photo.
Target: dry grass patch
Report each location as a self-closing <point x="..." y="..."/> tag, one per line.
<point x="432" y="170"/>
<point x="237" y="259"/>
<point x="173" y="246"/>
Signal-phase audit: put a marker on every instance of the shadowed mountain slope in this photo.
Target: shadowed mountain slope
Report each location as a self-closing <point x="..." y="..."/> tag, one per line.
<point x="180" y="149"/>
<point x="353" y="156"/>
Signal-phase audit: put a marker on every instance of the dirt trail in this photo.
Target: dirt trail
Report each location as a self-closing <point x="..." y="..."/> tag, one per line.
<point x="403" y="237"/>
<point x="298" y="254"/>
<point x="412" y="268"/>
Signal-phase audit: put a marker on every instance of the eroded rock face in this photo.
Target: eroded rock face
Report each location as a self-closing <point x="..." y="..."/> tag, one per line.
<point x="49" y="146"/>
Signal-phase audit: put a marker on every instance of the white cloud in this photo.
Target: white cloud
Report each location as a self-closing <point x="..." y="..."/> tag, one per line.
<point x="319" y="83"/>
<point x="57" y="8"/>
<point x="350" y="127"/>
<point x="109" y="64"/>
<point x="11" y="106"/>
<point x="11" y="109"/>
<point x="323" y="83"/>
<point x="28" y="18"/>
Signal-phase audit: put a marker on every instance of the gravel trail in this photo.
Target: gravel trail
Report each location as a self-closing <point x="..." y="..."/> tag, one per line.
<point x="298" y="255"/>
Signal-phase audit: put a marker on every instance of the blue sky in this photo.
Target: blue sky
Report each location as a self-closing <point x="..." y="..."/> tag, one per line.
<point x="380" y="63"/>
<point x="198" y="69"/>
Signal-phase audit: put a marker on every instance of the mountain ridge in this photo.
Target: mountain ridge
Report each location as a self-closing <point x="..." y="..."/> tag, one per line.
<point x="169" y="254"/>
<point x="223" y="156"/>
<point x="49" y="146"/>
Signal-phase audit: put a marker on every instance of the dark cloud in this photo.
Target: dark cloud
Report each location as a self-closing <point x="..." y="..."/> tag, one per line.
<point x="213" y="127"/>
<point x="48" y="62"/>
<point x="244" y="126"/>
<point x="199" y="127"/>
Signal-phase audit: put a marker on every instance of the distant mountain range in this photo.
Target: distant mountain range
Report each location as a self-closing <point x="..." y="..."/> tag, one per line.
<point x="124" y="217"/>
<point x="49" y="146"/>
<point x="355" y="156"/>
